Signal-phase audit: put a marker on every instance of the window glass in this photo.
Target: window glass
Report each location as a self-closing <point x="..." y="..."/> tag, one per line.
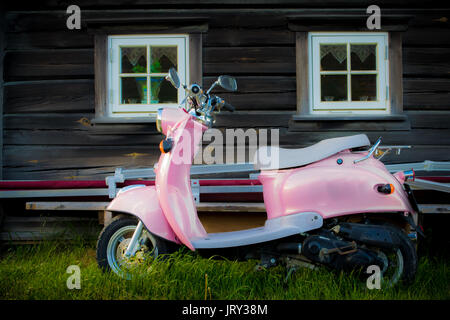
<point x="133" y="59"/>
<point x="333" y="57"/>
<point x="363" y="57"/>
<point x="163" y="58"/>
<point x="333" y="87"/>
<point x="162" y="91"/>
<point x="133" y="90"/>
<point x="364" y="87"/>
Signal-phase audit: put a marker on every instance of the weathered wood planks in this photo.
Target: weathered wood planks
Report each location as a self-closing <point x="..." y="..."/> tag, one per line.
<point x="49" y="90"/>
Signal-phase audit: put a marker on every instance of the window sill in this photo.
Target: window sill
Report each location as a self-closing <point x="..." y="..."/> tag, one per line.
<point x="335" y="122"/>
<point x="123" y="120"/>
<point x="347" y="117"/>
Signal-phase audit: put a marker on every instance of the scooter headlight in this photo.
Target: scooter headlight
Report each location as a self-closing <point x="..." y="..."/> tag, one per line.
<point x="159" y="119"/>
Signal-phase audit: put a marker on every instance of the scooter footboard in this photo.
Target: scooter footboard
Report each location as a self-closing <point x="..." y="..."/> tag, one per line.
<point x="142" y="202"/>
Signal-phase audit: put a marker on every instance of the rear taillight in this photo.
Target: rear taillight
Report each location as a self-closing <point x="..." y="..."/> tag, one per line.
<point x="403" y="176"/>
<point x="409" y="175"/>
<point x="386" y="188"/>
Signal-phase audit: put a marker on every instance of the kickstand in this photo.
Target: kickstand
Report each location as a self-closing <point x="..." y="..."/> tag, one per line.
<point x="291" y="270"/>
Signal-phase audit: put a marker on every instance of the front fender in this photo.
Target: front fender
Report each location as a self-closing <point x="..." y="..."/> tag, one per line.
<point x="143" y="203"/>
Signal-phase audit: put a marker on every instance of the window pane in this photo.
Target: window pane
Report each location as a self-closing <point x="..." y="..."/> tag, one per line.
<point x="163" y="58"/>
<point x="364" y="87"/>
<point x="134" y="59"/>
<point x="333" y="57"/>
<point x="333" y="87"/>
<point x="162" y="91"/>
<point x="133" y="90"/>
<point x="363" y="56"/>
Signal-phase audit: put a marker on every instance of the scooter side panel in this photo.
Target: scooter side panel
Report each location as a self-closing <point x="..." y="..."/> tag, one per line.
<point x="333" y="189"/>
<point x="143" y="203"/>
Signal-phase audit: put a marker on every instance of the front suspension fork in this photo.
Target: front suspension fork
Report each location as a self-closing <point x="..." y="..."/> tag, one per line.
<point x="134" y="244"/>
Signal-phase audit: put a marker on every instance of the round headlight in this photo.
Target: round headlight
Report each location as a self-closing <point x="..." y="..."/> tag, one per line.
<point x="158" y="120"/>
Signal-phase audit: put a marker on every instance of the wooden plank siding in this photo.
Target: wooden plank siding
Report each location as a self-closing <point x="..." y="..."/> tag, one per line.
<point x="2" y="54"/>
<point x="49" y="94"/>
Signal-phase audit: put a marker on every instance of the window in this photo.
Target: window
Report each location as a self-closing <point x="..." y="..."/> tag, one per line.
<point x="348" y="73"/>
<point x="137" y="66"/>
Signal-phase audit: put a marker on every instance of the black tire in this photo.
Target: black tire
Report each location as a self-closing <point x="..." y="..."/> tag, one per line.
<point x="108" y="244"/>
<point x="2" y="216"/>
<point x="406" y="252"/>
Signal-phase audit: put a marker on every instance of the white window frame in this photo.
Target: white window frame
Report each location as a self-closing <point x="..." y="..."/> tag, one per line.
<point x="114" y="107"/>
<point x="381" y="106"/>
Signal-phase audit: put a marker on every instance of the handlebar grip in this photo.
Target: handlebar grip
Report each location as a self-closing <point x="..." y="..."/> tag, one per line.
<point x="228" y="107"/>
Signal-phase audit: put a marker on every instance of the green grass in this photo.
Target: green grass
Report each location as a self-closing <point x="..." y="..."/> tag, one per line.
<point x="39" y="272"/>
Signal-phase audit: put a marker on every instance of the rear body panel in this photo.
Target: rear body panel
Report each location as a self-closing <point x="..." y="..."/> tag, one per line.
<point x="332" y="189"/>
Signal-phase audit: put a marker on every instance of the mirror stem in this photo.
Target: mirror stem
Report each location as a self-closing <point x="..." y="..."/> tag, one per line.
<point x="212" y="86"/>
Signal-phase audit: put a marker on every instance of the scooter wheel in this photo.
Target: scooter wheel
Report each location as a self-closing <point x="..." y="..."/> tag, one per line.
<point x="400" y="263"/>
<point x="113" y="242"/>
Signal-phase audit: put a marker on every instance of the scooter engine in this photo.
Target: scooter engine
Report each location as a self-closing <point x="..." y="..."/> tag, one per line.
<point x="338" y="254"/>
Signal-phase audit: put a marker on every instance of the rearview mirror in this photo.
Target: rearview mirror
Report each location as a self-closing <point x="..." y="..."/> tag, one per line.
<point x="173" y="78"/>
<point x="228" y="83"/>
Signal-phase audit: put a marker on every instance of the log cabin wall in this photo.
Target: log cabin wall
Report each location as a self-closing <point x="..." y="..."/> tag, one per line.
<point x="49" y="91"/>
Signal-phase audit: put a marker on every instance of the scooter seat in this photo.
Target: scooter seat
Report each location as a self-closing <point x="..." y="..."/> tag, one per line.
<point x="272" y="158"/>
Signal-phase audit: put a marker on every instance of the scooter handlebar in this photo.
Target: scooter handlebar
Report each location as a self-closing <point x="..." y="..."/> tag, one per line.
<point x="228" y="107"/>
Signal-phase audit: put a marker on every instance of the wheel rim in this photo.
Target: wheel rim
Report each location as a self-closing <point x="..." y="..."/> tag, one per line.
<point x="118" y="244"/>
<point x="393" y="265"/>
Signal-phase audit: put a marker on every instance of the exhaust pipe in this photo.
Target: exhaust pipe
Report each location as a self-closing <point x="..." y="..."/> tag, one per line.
<point x="290" y="247"/>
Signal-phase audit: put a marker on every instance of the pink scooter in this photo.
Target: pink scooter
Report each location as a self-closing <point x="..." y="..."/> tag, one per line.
<point x="332" y="203"/>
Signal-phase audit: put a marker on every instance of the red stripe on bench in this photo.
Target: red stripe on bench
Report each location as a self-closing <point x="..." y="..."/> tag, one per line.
<point x="243" y="182"/>
<point x="86" y="184"/>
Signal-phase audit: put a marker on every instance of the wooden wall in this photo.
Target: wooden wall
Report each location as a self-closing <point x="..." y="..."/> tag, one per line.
<point x="49" y="83"/>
